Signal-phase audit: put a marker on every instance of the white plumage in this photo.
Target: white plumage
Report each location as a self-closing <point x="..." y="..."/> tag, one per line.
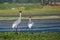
<point x="17" y="22"/>
<point x="30" y="25"/>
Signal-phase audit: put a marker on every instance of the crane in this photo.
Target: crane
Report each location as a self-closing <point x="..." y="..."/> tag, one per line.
<point x="17" y="22"/>
<point x="30" y="24"/>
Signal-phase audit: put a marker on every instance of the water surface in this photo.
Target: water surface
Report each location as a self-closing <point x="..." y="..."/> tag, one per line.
<point x="39" y="26"/>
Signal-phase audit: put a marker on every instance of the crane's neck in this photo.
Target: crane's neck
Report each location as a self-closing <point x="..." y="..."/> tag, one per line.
<point x="29" y="19"/>
<point x="20" y="16"/>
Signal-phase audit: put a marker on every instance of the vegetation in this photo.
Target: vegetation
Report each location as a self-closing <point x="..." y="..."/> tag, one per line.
<point x="29" y="36"/>
<point x="28" y="9"/>
<point x="7" y="9"/>
<point x="43" y="2"/>
<point x="35" y="11"/>
<point x="18" y="6"/>
<point x="19" y="1"/>
<point x="23" y="1"/>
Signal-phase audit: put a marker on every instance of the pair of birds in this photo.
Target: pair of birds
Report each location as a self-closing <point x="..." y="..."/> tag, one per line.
<point x="17" y="22"/>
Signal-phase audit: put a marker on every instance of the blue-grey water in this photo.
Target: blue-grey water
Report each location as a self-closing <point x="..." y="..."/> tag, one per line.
<point x="52" y="25"/>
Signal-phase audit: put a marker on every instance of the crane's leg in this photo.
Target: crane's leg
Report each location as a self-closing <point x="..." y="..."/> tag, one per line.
<point x="13" y="29"/>
<point x="29" y="29"/>
<point x="16" y="30"/>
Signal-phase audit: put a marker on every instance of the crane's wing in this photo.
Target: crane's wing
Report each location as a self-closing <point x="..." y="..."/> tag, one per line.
<point x="16" y="23"/>
<point x="30" y="24"/>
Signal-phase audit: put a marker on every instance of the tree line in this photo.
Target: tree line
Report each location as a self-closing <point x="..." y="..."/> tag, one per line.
<point x="43" y="2"/>
<point x="20" y="1"/>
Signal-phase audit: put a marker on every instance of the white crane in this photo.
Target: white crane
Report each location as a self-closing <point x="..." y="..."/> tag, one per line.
<point x="17" y="22"/>
<point x="30" y="24"/>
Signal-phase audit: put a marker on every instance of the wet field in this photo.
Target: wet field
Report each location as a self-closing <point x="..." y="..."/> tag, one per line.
<point x="40" y="25"/>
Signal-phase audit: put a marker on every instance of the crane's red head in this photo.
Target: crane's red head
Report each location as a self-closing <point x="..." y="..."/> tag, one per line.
<point x="20" y="11"/>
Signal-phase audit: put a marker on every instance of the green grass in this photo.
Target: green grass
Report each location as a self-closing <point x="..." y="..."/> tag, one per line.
<point x="29" y="36"/>
<point x="6" y="9"/>
<point x="31" y="8"/>
<point x="28" y="9"/>
<point x="26" y="6"/>
<point x="34" y="11"/>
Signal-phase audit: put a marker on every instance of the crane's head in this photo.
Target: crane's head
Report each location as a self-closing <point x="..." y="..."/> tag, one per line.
<point x="20" y="11"/>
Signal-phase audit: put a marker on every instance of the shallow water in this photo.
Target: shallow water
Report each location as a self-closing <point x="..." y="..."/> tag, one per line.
<point x="39" y="26"/>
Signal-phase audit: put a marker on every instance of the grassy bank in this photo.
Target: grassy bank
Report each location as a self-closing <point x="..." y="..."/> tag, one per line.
<point x="31" y="8"/>
<point x="28" y="9"/>
<point x="26" y="6"/>
<point x="30" y="12"/>
<point x="29" y="36"/>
